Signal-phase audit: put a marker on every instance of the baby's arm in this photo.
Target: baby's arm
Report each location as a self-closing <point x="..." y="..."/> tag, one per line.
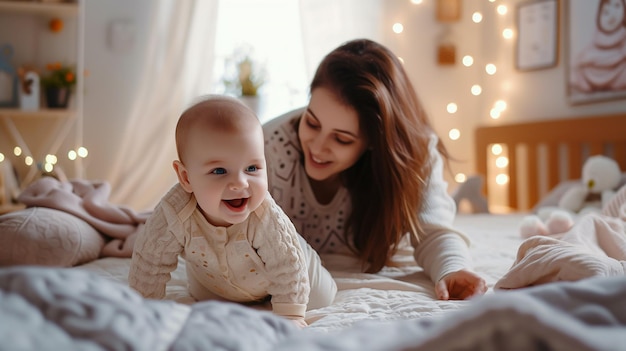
<point x="276" y="242"/>
<point x="155" y="256"/>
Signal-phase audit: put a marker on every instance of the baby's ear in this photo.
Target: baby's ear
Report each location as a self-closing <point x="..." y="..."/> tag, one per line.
<point x="183" y="176"/>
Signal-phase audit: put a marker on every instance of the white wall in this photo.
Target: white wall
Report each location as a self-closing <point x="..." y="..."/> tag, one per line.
<point x="113" y="76"/>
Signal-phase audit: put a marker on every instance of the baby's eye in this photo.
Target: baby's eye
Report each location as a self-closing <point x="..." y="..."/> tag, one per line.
<point x="218" y="171"/>
<point x="252" y="168"/>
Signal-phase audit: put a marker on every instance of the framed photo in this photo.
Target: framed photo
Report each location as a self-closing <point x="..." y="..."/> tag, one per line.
<point x="537" y="35"/>
<point x="596" y="50"/>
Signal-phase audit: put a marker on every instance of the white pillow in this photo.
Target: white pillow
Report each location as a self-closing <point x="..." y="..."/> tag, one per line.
<point x="48" y="237"/>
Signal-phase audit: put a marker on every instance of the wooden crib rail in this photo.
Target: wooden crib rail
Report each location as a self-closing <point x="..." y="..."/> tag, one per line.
<point x="566" y="143"/>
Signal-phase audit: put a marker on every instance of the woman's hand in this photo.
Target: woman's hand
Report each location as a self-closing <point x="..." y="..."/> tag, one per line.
<point x="460" y="285"/>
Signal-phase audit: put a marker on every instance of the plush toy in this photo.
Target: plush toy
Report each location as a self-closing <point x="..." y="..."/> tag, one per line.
<point x="601" y="177"/>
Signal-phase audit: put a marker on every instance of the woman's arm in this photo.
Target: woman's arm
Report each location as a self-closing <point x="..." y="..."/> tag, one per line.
<point x="444" y="250"/>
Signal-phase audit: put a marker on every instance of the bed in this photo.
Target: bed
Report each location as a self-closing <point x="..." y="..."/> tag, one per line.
<point x="87" y="305"/>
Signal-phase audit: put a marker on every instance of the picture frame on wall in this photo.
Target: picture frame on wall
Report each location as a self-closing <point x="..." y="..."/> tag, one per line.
<point x="537" y="35"/>
<point x="596" y="50"/>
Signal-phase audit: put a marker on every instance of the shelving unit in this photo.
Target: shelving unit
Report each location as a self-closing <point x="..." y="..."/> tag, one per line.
<point x="61" y="125"/>
<point x="63" y="9"/>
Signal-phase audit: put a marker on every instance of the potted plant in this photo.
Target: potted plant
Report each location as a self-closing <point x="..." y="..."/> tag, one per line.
<point x="244" y="76"/>
<point x="58" y="84"/>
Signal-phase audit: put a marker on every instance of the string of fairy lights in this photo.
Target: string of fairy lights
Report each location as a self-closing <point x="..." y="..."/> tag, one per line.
<point x="498" y="107"/>
<point x="49" y="161"/>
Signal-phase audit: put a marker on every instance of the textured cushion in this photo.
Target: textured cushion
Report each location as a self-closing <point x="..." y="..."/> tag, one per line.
<point x="43" y="236"/>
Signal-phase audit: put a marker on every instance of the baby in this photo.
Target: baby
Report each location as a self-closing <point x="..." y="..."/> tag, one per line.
<point x="237" y="242"/>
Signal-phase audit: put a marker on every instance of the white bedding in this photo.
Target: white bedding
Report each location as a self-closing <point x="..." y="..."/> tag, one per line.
<point x="90" y="307"/>
<point x="402" y="292"/>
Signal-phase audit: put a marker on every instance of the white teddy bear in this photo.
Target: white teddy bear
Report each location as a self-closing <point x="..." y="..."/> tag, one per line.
<point x="601" y="177"/>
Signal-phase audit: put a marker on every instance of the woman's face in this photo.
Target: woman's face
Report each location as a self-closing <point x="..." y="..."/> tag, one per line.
<point x="611" y="15"/>
<point x="331" y="138"/>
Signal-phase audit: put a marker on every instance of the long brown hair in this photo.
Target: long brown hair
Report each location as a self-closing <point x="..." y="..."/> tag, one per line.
<point x="387" y="183"/>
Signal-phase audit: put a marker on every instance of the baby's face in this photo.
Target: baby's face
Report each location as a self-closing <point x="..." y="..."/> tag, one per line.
<point x="227" y="173"/>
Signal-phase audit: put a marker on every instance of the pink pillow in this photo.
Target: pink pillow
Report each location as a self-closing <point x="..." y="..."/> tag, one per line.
<point x="48" y="237"/>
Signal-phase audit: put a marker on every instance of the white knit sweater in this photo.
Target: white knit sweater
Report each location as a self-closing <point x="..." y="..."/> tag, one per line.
<point x="243" y="262"/>
<point x="444" y="250"/>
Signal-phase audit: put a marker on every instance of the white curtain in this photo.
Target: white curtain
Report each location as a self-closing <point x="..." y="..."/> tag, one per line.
<point x="328" y="23"/>
<point x="180" y="53"/>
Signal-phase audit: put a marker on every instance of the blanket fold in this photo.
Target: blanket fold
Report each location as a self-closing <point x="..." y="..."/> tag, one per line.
<point x="594" y="246"/>
<point x="89" y="201"/>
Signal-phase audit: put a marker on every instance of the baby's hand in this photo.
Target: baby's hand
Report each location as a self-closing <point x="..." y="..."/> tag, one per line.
<point x="300" y="323"/>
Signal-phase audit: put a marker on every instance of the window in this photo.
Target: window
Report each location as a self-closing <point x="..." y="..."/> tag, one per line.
<point x="271" y="28"/>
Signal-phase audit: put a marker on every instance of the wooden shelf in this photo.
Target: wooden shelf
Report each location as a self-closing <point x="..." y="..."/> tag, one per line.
<point x="42" y="113"/>
<point x="44" y="130"/>
<point x="11" y="208"/>
<point x="62" y="9"/>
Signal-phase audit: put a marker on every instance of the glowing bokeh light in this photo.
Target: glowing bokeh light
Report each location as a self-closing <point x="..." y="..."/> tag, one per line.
<point x="476" y="89"/>
<point x="502" y="179"/>
<point x="507" y="33"/>
<point x="452" y="107"/>
<point x="500" y="105"/>
<point x="496" y="149"/>
<point x="495" y="113"/>
<point x="502" y="162"/>
<point x="51" y="159"/>
<point x="468" y="60"/>
<point x="477" y="17"/>
<point x="83" y="152"/>
<point x="454" y="134"/>
<point x="460" y="177"/>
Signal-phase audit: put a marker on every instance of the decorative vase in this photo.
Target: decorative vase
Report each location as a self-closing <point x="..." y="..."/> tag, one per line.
<point x="255" y="103"/>
<point x="57" y="97"/>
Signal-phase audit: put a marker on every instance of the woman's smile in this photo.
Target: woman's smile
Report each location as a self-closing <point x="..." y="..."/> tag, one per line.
<point x="318" y="161"/>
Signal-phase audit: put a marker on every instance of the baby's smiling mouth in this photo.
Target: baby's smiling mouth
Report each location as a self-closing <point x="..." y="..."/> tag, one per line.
<point x="236" y="203"/>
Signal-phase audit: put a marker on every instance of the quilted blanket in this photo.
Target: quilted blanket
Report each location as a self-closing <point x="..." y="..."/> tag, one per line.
<point x="71" y="309"/>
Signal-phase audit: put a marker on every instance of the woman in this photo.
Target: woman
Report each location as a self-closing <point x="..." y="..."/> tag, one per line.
<point x="361" y="167"/>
